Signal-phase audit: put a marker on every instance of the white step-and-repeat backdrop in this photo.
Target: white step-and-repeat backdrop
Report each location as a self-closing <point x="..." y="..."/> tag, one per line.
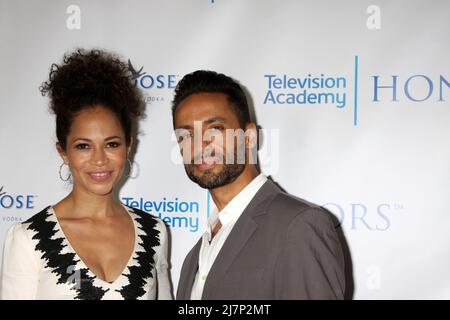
<point x="353" y="98"/>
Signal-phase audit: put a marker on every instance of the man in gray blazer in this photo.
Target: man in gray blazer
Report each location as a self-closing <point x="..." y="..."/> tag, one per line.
<point x="260" y="242"/>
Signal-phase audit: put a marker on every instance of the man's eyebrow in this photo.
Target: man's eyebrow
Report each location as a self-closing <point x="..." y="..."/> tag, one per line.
<point x="215" y="119"/>
<point x="81" y="138"/>
<point x="207" y="121"/>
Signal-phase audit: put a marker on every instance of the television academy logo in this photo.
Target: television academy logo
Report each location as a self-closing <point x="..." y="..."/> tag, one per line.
<point x="323" y="89"/>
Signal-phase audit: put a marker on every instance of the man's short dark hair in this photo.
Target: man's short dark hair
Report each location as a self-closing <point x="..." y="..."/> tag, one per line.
<point x="203" y="81"/>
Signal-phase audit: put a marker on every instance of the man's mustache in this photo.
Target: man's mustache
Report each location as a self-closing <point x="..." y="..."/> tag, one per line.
<point x="201" y="157"/>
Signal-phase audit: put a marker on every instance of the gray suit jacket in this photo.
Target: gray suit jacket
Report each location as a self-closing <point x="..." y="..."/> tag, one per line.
<point x="281" y="247"/>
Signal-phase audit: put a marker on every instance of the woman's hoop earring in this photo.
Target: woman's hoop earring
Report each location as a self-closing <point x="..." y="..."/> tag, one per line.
<point x="132" y="165"/>
<point x="60" y="174"/>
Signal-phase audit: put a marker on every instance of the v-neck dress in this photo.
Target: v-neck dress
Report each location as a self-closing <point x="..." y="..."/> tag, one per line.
<point x="39" y="263"/>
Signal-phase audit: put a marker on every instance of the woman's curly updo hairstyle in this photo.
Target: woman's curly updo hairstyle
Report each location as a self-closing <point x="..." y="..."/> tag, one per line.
<point x="88" y="79"/>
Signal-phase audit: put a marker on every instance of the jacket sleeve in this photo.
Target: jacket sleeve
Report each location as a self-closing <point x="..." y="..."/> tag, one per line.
<point x="20" y="269"/>
<point x="310" y="264"/>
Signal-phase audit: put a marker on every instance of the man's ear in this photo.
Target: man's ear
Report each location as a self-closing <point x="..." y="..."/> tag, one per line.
<point x="251" y="135"/>
<point x="62" y="153"/>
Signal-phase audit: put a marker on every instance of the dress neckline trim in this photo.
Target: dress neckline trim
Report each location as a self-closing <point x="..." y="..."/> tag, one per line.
<point x="124" y="271"/>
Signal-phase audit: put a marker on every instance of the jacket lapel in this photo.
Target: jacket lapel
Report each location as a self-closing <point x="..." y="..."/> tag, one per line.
<point x="187" y="276"/>
<point x="242" y="231"/>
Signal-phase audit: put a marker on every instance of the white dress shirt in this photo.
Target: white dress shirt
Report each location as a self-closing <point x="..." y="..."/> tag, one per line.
<point x="228" y="217"/>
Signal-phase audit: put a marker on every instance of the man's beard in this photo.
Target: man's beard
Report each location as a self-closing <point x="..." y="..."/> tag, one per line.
<point x="210" y="180"/>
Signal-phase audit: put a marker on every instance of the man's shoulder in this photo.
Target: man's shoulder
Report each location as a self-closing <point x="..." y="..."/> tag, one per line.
<point x="290" y="203"/>
<point x="285" y="208"/>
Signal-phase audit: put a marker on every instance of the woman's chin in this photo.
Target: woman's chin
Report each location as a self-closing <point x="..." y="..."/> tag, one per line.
<point x="100" y="190"/>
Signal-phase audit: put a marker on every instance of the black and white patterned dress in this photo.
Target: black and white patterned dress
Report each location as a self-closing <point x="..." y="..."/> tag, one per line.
<point x="39" y="263"/>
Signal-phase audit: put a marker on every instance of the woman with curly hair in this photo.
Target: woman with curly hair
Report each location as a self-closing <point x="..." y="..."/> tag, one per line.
<point x="89" y="245"/>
